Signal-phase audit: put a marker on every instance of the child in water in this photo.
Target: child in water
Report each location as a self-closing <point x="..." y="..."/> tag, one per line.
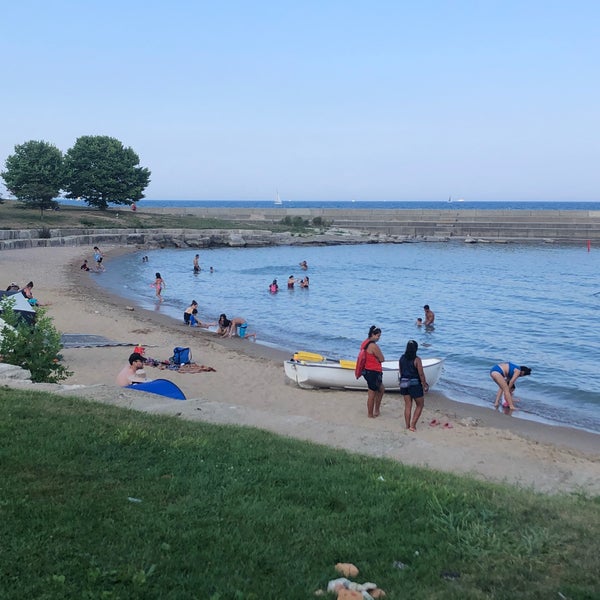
<point x="159" y="284"/>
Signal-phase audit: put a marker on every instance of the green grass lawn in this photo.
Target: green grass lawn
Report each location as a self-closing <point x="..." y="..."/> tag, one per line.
<point x="102" y="502"/>
<point x="13" y="215"/>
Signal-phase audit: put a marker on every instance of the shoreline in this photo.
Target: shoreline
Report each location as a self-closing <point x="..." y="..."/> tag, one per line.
<point x="249" y="388"/>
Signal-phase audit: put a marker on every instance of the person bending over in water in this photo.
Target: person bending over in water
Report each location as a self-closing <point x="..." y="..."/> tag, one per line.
<point x="505" y="375"/>
<point x="413" y="384"/>
<point x="305" y="282"/>
<point x="373" y="372"/>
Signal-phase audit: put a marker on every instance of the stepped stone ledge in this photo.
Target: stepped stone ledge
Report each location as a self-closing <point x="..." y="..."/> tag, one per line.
<point x="337" y="226"/>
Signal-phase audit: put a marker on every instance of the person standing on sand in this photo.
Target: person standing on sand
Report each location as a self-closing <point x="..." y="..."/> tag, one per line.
<point x="505" y="375"/>
<point x="159" y="284"/>
<point x="429" y="316"/>
<point x="196" y="264"/>
<point x="373" y="372"/>
<point x="413" y="384"/>
<point x="133" y="372"/>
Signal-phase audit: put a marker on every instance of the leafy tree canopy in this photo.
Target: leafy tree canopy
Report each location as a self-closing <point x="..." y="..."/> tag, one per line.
<point x="35" y="174"/>
<point x="101" y="170"/>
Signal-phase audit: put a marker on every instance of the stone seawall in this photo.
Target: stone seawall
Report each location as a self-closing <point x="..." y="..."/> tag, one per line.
<point x="564" y="226"/>
<point x="343" y="227"/>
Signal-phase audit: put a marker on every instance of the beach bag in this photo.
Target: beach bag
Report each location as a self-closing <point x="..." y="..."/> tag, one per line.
<point x="361" y="361"/>
<point x="181" y="356"/>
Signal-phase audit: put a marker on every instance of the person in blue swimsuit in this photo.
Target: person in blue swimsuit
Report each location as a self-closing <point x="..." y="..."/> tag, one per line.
<point x="505" y="375"/>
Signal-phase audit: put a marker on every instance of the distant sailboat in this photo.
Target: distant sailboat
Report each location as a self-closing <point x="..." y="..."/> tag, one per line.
<point x="449" y="198"/>
<point x="278" y="201"/>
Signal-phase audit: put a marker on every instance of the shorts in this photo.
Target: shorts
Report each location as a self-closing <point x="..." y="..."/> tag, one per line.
<point x="374" y="379"/>
<point x="497" y="369"/>
<point x="186" y="318"/>
<point x="414" y="391"/>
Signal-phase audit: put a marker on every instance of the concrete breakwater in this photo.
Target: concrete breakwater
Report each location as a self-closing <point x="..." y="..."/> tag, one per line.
<point x="564" y="226"/>
<point x="335" y="227"/>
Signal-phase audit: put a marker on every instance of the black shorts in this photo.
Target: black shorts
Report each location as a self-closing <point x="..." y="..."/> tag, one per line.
<point x="414" y="391"/>
<point x="186" y="318"/>
<point x="374" y="379"/>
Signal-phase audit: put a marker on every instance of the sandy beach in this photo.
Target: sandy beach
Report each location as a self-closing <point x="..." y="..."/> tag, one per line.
<point x="248" y="387"/>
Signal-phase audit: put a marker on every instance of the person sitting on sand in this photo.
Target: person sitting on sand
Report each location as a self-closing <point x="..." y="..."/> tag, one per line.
<point x="188" y="312"/>
<point x="27" y="291"/>
<point x="13" y="287"/>
<point x="195" y="321"/>
<point x="84" y="266"/>
<point x="505" y="375"/>
<point x="133" y="372"/>
<point x="223" y="325"/>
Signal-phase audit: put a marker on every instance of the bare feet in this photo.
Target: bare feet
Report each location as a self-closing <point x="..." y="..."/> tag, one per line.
<point x="411" y="428"/>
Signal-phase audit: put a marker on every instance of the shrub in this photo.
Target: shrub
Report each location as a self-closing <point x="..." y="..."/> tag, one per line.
<point x="35" y="346"/>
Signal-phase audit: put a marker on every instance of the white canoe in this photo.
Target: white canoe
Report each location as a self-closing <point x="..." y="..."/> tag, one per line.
<point x="329" y="373"/>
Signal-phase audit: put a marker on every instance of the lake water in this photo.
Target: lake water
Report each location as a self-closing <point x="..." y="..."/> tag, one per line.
<point x="532" y="305"/>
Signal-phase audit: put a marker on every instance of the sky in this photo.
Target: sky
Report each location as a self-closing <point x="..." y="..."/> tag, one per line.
<point x="318" y="100"/>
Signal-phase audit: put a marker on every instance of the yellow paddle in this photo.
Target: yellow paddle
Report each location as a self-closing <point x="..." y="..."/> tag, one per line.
<point x="309" y="356"/>
<point x="314" y="357"/>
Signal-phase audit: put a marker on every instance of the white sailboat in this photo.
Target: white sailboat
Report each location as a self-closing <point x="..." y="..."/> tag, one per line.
<point x="278" y="201"/>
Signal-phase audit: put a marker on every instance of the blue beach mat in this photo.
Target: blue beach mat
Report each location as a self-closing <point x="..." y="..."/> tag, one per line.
<point x="161" y="387"/>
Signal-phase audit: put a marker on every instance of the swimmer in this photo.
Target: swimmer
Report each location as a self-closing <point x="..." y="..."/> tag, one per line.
<point x="196" y="264"/>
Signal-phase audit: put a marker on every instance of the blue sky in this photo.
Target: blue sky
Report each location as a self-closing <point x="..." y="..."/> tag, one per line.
<point x="323" y="100"/>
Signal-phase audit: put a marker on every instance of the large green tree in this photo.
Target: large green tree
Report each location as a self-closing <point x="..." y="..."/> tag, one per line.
<point x="100" y="170"/>
<point x="35" y="174"/>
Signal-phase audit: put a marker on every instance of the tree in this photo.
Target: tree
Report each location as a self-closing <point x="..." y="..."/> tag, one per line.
<point x="100" y="170"/>
<point x="35" y="174"/>
<point x="32" y="346"/>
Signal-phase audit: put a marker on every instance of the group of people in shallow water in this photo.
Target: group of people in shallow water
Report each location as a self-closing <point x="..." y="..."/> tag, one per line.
<point x="413" y="383"/>
<point x="292" y="281"/>
<point x="225" y="327"/>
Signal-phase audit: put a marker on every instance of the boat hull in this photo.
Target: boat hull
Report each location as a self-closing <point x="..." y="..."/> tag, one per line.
<point x="331" y="374"/>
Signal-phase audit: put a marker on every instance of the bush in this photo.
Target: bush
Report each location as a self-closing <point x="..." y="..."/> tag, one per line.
<point x="34" y="346"/>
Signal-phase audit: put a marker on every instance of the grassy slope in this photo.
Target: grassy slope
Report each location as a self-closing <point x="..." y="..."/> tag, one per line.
<point x="14" y="216"/>
<point x="101" y="502"/>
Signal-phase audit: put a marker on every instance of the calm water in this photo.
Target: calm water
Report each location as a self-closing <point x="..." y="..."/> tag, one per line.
<point x="536" y="306"/>
<point x="364" y="204"/>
